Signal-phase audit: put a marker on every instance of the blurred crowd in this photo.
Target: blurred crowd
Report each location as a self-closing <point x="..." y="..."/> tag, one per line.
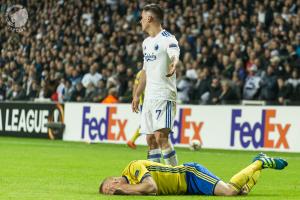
<point x="231" y="50"/>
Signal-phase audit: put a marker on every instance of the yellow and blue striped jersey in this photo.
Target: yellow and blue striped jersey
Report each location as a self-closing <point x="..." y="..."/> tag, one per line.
<point x="136" y="82"/>
<point x="189" y="178"/>
<point x="169" y="180"/>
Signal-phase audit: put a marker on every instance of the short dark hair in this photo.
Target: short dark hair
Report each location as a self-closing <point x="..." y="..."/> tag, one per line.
<point x="102" y="184"/>
<point x="101" y="187"/>
<point x="156" y="10"/>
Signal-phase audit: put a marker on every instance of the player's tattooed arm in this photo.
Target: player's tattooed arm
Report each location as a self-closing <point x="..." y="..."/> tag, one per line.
<point x="139" y="90"/>
<point x="172" y="66"/>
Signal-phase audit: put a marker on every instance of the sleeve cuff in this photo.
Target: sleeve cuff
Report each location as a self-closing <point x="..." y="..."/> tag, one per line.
<point x="126" y="179"/>
<point x="145" y="176"/>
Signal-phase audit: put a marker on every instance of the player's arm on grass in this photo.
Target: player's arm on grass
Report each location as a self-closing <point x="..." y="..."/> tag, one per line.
<point x="146" y="187"/>
<point x="139" y="90"/>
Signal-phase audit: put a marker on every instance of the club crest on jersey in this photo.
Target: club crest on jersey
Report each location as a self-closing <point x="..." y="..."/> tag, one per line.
<point x="149" y="57"/>
<point x="156" y="47"/>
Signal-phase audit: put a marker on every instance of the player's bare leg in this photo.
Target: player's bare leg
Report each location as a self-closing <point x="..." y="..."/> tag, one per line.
<point x="154" y="152"/>
<point x="168" y="152"/>
<point x="224" y="189"/>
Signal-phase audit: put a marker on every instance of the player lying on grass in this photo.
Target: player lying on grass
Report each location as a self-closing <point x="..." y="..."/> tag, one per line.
<point x="144" y="177"/>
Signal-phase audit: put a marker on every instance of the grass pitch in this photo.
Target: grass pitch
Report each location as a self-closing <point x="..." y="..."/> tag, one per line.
<point x="44" y="169"/>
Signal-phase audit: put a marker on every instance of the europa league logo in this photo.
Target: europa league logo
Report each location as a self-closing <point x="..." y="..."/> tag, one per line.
<point x="16" y="17"/>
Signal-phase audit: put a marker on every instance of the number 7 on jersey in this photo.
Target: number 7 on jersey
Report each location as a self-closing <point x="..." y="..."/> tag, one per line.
<point x="158" y="113"/>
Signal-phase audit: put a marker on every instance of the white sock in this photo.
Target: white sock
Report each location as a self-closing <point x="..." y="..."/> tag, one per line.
<point x="154" y="155"/>
<point x="170" y="156"/>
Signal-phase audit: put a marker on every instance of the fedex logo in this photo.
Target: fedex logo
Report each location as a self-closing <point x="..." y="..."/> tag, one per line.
<point x="183" y="126"/>
<point x="102" y="128"/>
<point x="259" y="133"/>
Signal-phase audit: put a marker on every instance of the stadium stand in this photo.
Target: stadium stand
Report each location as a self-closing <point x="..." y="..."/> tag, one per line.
<point x="231" y="50"/>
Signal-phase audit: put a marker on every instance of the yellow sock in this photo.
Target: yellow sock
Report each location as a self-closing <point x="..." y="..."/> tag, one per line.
<point x="241" y="178"/>
<point x="136" y="135"/>
<point x="253" y="180"/>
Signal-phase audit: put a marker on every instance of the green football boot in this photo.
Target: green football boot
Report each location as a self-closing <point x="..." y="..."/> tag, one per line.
<point x="272" y="163"/>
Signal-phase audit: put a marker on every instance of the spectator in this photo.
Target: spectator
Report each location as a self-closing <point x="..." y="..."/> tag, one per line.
<point x="33" y="91"/>
<point x="92" y="77"/>
<point x="79" y="93"/>
<point x="29" y="81"/>
<point x="111" y="97"/>
<point x="61" y="90"/>
<point x="68" y="91"/>
<point x="17" y="93"/>
<point x="228" y="67"/>
<point x="239" y="70"/>
<point x="43" y="91"/>
<point x="201" y="89"/>
<point x="294" y="82"/>
<point x="237" y="85"/>
<point x="215" y="91"/>
<point x="127" y="97"/>
<point x="284" y="91"/>
<point x="269" y="88"/>
<point x="75" y="77"/>
<point x="100" y="92"/>
<point x="2" y="90"/>
<point x="184" y="85"/>
<point x="252" y="85"/>
<point x="89" y="92"/>
<point x="228" y="95"/>
<point x="122" y="79"/>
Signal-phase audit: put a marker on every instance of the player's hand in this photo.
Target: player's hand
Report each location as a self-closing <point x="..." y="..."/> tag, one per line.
<point x="172" y="68"/>
<point x="114" y="188"/>
<point x="135" y="104"/>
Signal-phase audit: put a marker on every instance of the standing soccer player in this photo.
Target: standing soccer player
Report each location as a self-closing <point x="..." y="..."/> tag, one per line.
<point x="158" y="78"/>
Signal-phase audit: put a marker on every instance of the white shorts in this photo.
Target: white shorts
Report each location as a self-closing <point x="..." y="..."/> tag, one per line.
<point x="156" y="115"/>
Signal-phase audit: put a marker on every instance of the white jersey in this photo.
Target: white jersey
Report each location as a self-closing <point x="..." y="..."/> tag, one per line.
<point x="157" y="53"/>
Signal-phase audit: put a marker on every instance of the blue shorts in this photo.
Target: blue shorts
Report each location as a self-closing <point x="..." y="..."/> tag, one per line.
<point x="199" y="180"/>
